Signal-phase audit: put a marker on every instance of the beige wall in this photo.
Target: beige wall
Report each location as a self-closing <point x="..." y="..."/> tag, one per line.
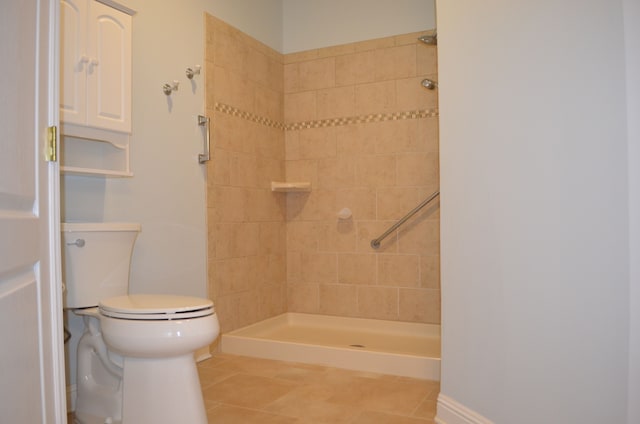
<point x="363" y="131"/>
<point x="246" y="221"/>
<point x="353" y="121"/>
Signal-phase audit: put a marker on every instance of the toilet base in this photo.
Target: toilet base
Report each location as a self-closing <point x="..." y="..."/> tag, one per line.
<point x="162" y="391"/>
<point x="98" y="376"/>
<point x="84" y="418"/>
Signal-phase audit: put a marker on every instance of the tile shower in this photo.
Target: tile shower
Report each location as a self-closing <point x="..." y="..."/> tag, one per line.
<point x="354" y="121"/>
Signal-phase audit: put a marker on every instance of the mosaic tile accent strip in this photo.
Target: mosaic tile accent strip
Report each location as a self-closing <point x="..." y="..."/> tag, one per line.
<point x="324" y="123"/>
<point x="365" y="119"/>
<point x="234" y="111"/>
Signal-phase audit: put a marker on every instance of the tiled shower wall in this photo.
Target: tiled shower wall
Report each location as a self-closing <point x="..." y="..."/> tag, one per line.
<point x="364" y="131"/>
<point x="247" y="230"/>
<point x="353" y="121"/>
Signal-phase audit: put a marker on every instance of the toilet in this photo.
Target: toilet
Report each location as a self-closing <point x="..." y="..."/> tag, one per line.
<point x="135" y="359"/>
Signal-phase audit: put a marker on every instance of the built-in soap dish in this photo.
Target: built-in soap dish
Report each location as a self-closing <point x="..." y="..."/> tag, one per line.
<point x="290" y="187"/>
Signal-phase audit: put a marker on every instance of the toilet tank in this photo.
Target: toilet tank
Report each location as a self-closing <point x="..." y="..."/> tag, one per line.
<point x="96" y="261"/>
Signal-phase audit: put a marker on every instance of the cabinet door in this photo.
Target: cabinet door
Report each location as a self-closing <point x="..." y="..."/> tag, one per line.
<point x="109" y="69"/>
<point x="73" y="61"/>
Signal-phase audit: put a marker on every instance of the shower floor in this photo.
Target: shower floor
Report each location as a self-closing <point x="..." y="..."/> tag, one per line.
<point x="387" y="347"/>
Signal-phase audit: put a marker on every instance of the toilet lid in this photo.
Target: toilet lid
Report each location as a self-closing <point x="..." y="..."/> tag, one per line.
<point x="156" y="307"/>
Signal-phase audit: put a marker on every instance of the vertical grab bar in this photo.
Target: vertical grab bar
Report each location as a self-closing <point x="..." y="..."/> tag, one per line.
<point x="203" y="121"/>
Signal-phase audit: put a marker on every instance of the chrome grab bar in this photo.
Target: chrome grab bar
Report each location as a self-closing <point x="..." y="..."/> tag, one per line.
<point x="375" y="243"/>
<point x="203" y="121"/>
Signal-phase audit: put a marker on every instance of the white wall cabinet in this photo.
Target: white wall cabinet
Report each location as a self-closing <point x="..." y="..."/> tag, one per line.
<point x="95" y="83"/>
<point x="96" y="65"/>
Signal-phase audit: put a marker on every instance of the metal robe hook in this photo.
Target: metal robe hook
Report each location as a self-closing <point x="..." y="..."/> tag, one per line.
<point x="169" y="88"/>
<point x="191" y="72"/>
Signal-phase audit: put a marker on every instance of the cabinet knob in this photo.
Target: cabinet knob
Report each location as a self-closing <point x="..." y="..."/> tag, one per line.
<point x="94" y="62"/>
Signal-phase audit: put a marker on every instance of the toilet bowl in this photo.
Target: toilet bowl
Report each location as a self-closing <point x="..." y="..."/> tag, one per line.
<point x="156" y="326"/>
<point x="135" y="358"/>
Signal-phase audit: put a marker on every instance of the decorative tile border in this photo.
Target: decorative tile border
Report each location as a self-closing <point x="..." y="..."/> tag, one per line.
<point x="365" y="119"/>
<point x="324" y="123"/>
<point x="233" y="111"/>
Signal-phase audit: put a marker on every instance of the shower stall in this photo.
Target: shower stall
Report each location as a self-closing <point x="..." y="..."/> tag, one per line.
<point x="314" y="155"/>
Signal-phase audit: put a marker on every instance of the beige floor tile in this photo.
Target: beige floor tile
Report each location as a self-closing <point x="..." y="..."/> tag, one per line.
<point x="309" y="403"/>
<point x="393" y="396"/>
<point x="301" y="373"/>
<point x="240" y="390"/>
<point x="434" y="393"/>
<point x="253" y="366"/>
<point x="226" y="414"/>
<point x="251" y="391"/>
<point x="210" y="404"/>
<point x="212" y="375"/>
<point x="427" y="409"/>
<point x="372" y="417"/>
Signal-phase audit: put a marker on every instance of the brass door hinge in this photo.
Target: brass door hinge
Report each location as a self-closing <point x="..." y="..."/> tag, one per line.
<point x="51" y="148"/>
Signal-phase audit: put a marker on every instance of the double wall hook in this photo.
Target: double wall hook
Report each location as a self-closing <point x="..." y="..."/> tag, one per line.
<point x="170" y="88"/>
<point x="191" y="72"/>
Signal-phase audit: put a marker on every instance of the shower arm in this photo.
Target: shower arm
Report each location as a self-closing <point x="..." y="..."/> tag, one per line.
<point x="375" y="243"/>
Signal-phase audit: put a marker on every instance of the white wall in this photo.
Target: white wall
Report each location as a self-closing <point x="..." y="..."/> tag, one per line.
<point x="632" y="44"/>
<point x="535" y="233"/>
<point x="311" y="24"/>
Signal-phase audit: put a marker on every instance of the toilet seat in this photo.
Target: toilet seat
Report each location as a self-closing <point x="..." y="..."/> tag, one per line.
<point x="155" y="307"/>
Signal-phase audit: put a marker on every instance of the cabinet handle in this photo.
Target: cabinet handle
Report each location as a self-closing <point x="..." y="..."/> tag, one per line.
<point x="84" y="59"/>
<point x="94" y="62"/>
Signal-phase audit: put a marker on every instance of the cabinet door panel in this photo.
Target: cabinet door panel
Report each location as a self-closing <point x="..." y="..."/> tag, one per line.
<point x="109" y="69"/>
<point x="73" y="50"/>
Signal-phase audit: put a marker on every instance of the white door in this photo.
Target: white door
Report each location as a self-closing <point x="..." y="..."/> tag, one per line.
<point x="31" y="348"/>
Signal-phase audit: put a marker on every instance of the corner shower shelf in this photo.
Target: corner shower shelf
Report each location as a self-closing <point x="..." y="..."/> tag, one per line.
<point x="290" y="187"/>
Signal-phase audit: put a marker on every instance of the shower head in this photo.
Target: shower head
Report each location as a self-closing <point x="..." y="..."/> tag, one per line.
<point x="431" y="40"/>
<point x="429" y="84"/>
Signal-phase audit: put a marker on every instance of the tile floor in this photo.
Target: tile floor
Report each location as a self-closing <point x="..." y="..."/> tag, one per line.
<point x="242" y="390"/>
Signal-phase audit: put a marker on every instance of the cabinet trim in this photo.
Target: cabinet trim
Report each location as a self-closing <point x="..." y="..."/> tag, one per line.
<point x="116" y="139"/>
<point x="118" y="6"/>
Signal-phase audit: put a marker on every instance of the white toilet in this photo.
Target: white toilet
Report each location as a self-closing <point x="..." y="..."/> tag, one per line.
<point x="135" y="358"/>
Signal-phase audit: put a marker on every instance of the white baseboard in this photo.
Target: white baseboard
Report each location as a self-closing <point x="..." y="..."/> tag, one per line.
<point x="452" y="412"/>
